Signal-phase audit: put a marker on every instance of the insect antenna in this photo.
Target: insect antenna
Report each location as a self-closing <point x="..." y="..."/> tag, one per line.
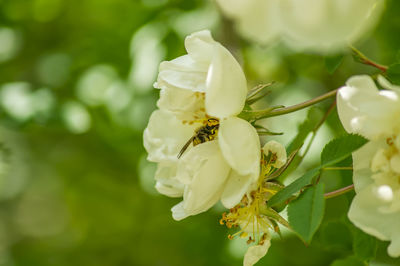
<point x="184" y="148"/>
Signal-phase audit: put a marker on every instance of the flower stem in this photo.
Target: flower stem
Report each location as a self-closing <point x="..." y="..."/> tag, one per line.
<point x="314" y="131"/>
<point x="339" y="192"/>
<point x="299" y="158"/>
<point x="362" y="58"/>
<point x="270" y="112"/>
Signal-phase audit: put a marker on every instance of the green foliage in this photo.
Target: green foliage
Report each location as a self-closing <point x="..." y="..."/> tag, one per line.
<point x="306" y="212"/>
<point x="294" y="187"/>
<point x="336" y="235"/>
<point x="340" y="148"/>
<point x="364" y="245"/>
<point x="313" y="118"/>
<point x="349" y="261"/>
<point x="334" y="152"/>
<point x="393" y="73"/>
<point x="333" y="62"/>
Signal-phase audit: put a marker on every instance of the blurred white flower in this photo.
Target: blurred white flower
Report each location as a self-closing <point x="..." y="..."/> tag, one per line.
<point x="76" y="118"/>
<point x="10" y="43"/>
<point x="94" y="84"/>
<point x="15" y="98"/>
<point x="316" y="25"/>
<point x="22" y="103"/>
<point x="257" y="20"/>
<point x="201" y="94"/>
<point x="185" y="22"/>
<point x="147" y="50"/>
<point x="375" y="114"/>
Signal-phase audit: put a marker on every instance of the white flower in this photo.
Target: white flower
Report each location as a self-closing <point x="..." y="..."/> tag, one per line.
<point x="206" y="84"/>
<point x="208" y="70"/>
<point x="375" y="114"/>
<point x="318" y="25"/>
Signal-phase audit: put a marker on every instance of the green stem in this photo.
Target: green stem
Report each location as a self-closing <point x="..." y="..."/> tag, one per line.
<point x="338" y="168"/>
<point x="314" y="131"/>
<point x="299" y="158"/>
<point x="270" y="112"/>
<point x="362" y="58"/>
<point x="339" y="192"/>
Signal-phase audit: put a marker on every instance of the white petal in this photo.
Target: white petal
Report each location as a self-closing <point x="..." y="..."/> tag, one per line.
<point x="200" y="45"/>
<point x="365" y="110"/>
<point x="226" y="86"/>
<point x="240" y="145"/>
<point x="363" y="82"/>
<point x="236" y="187"/>
<point x="395" y="163"/>
<point x="394" y="247"/>
<point x="165" y="136"/>
<point x="204" y="172"/>
<point x="185" y="104"/>
<point x="255" y="253"/>
<point x="387" y="85"/>
<point x="169" y="188"/>
<point x="167" y="184"/>
<point x="278" y="150"/>
<point x="365" y="213"/>
<point x="361" y="164"/>
<point x="184" y="73"/>
<point x="178" y="212"/>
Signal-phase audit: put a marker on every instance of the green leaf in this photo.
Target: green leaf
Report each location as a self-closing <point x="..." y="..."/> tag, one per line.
<point x="393" y="73"/>
<point x="340" y="148"/>
<point x="364" y="245"/>
<point x="294" y="187"/>
<point x="336" y="235"/>
<point x="349" y="261"/>
<point x="333" y="62"/>
<point x="334" y="152"/>
<point x="306" y="212"/>
<point x="314" y="116"/>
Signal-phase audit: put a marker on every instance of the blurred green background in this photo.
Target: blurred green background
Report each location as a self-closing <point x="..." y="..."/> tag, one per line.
<point x="75" y="95"/>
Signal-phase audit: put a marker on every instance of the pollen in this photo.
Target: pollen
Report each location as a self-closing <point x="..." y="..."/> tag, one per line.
<point x="248" y="217"/>
<point x="252" y="214"/>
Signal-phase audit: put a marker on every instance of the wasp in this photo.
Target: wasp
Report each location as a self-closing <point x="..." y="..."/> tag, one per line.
<point x="202" y="134"/>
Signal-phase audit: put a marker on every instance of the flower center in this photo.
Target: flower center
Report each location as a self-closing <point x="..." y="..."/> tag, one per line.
<point x="197" y="112"/>
<point x="252" y="214"/>
<point x="385" y="166"/>
<point x="247" y="215"/>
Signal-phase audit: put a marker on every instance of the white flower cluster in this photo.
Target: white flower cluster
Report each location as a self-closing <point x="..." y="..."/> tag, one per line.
<point x="205" y="153"/>
<point x="317" y="25"/>
<point x="374" y="114"/>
